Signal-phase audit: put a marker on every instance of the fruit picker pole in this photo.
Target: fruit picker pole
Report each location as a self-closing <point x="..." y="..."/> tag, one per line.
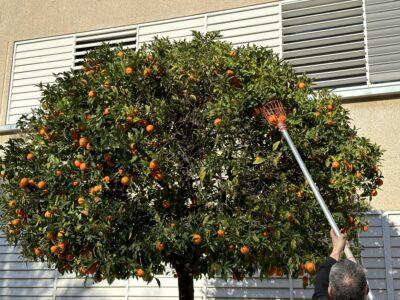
<point x="275" y="114"/>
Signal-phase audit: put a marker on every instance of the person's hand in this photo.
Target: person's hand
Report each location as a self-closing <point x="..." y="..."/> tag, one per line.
<point x="338" y="242"/>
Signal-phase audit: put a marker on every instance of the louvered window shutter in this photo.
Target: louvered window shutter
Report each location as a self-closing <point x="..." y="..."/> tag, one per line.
<point x="35" y="62"/>
<point x="383" y="32"/>
<point x="251" y="25"/>
<point x="173" y="29"/>
<point x="325" y="39"/>
<point x="125" y="36"/>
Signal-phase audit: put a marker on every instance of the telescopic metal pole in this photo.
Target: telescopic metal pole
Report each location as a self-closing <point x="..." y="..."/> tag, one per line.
<point x="317" y="194"/>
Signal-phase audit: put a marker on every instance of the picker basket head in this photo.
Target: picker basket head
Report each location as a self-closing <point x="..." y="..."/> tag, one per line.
<point x="275" y="114"/>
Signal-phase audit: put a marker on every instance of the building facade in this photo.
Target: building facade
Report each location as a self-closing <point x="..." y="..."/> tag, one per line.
<point x="351" y="46"/>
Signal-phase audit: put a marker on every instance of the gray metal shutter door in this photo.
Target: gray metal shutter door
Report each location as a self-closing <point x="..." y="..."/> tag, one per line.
<point x="383" y="32"/>
<point x="325" y="39"/>
<point x="35" y="62"/>
<point x="254" y="25"/>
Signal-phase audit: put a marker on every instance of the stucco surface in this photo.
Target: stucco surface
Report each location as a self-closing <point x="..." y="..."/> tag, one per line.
<point x="379" y="120"/>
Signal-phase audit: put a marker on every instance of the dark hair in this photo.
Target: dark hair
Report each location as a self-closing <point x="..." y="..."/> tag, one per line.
<point x="347" y="281"/>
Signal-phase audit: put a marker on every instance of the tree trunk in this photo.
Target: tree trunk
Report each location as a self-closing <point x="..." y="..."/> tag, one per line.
<point x="185" y="283"/>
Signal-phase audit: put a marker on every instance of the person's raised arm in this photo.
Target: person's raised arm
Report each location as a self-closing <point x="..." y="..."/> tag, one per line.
<point x="338" y="242"/>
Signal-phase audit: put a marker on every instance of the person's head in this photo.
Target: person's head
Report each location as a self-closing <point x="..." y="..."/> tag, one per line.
<point x="347" y="281"/>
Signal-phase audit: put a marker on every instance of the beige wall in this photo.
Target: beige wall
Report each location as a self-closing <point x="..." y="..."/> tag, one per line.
<point x="28" y="19"/>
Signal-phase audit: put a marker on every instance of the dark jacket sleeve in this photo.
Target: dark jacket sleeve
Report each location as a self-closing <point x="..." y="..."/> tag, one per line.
<point x="322" y="279"/>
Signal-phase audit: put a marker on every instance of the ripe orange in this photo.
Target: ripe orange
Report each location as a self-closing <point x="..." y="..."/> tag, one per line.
<point x="30" y="156"/>
<point x="365" y="228"/>
<point x="125" y="180"/>
<point x="147" y="72"/>
<point x="48" y="214"/>
<point x="38" y="252"/>
<point x="272" y="271"/>
<point x="42" y="131"/>
<point x="350" y="219"/>
<point x="91" y="93"/>
<point x="149" y="57"/>
<point x="54" y="249"/>
<point x="51" y="236"/>
<point x="96" y="189"/>
<point x="129" y="70"/>
<point x="85" y="212"/>
<point x="120" y="54"/>
<point x="41" y="185"/>
<point x="83" y="142"/>
<point x="330" y="107"/>
<point x="23" y="182"/>
<point x="317" y="114"/>
<point x="220" y="233"/>
<point x="244" y="250"/>
<point x="106" y="111"/>
<point x="196" y="239"/>
<point x="149" y="128"/>
<point x="31" y="182"/>
<point x="265" y="233"/>
<point x="61" y="246"/>
<point x="77" y="163"/>
<point x="160" y="246"/>
<point x="290" y="217"/>
<point x="107" y="85"/>
<point x="374" y="192"/>
<point x="229" y="72"/>
<point x="232" y="53"/>
<point x="299" y="195"/>
<point x="16" y="222"/>
<point x="58" y="173"/>
<point x="217" y="121"/>
<point x="358" y="175"/>
<point x="335" y="165"/>
<point x="310" y="267"/>
<point x="11" y="204"/>
<point x="106" y="179"/>
<point x="153" y="165"/>
<point x="75" y="183"/>
<point x="81" y="201"/>
<point x="379" y="182"/>
<point x="121" y="172"/>
<point x="329" y="122"/>
<point x="60" y="234"/>
<point x="139" y="272"/>
<point x="301" y="85"/>
<point x="158" y="176"/>
<point x="165" y="204"/>
<point x="83" y="167"/>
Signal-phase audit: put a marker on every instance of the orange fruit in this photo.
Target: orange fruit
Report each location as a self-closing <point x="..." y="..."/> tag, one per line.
<point x="31" y="182"/>
<point x="358" y="175"/>
<point x="374" y="192"/>
<point x="232" y="53"/>
<point x="83" y="167"/>
<point x="88" y="147"/>
<point x="165" y="204"/>
<point x="317" y="114"/>
<point x="153" y="165"/>
<point x="77" y="163"/>
<point x="196" y="239"/>
<point x="121" y="172"/>
<point x="365" y="228"/>
<point x="379" y="182"/>
<point x="41" y="185"/>
<point x="217" y="121"/>
<point x="290" y="217"/>
<point x="244" y="250"/>
<point x="30" y="156"/>
<point x="265" y="233"/>
<point x="42" y="131"/>
<point x="75" y="183"/>
<point x="11" y="204"/>
<point x="220" y="233"/>
<point x="160" y="246"/>
<point x="129" y="70"/>
<point x="149" y="57"/>
<point x="51" y="236"/>
<point x="81" y="201"/>
<point x="38" y="252"/>
<point x="299" y="195"/>
<point x="350" y="219"/>
<point x="85" y="212"/>
<point x="149" y="128"/>
<point x="96" y="189"/>
<point x="230" y="72"/>
<point x="330" y="107"/>
<point x="272" y="271"/>
<point x="158" y="176"/>
<point x="139" y="272"/>
<point x="60" y="234"/>
<point x="83" y="142"/>
<point x="147" y="72"/>
<point x="329" y="122"/>
<point x="125" y="180"/>
<point x="107" y="85"/>
<point x="48" y="214"/>
<point x="54" y="249"/>
<point x="61" y="246"/>
<point x="120" y="54"/>
<point x="23" y="182"/>
<point x="335" y="165"/>
<point x="58" y="173"/>
<point x="106" y="179"/>
<point x="91" y="93"/>
<point x="106" y="111"/>
<point x="16" y="222"/>
<point x="301" y="85"/>
<point x="310" y="267"/>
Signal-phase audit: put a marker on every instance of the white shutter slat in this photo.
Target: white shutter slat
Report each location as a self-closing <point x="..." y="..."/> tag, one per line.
<point x="383" y="28"/>
<point x="325" y="39"/>
<point x="35" y="61"/>
<point x="257" y="25"/>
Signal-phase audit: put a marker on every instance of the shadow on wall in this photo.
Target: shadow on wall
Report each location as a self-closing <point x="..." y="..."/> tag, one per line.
<point x="381" y="257"/>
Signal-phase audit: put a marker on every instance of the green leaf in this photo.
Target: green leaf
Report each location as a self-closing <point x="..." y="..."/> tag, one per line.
<point x="202" y="173"/>
<point x="259" y="160"/>
<point x="275" y="145"/>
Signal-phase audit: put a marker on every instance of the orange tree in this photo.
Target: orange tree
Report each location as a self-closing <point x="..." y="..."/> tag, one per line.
<point x="160" y="156"/>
